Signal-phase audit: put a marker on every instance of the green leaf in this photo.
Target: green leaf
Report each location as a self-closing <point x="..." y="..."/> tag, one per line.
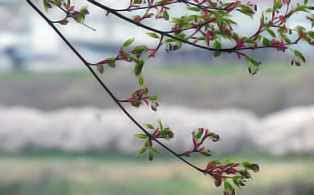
<point x="45" y="3"/>
<point x="302" y="8"/>
<point x="141" y="151"/>
<point x="246" y="164"/>
<point x="150" y="126"/>
<point x="138" y="67"/>
<point x="262" y="18"/>
<point x="300" y="29"/>
<point x="141" y="80"/>
<point x="153" y="35"/>
<point x="137" y="1"/>
<point x="69" y="3"/>
<point x="156" y="150"/>
<point x="266" y="42"/>
<point x="217" y="45"/>
<point x="165" y="15"/>
<point x="277" y="5"/>
<point x="287" y="40"/>
<point x="139" y="50"/>
<point x="112" y="64"/>
<point x="271" y="33"/>
<point x="141" y="136"/>
<point x="216" y="54"/>
<point x="57" y="2"/>
<point x="251" y="166"/>
<point x="245" y="174"/>
<point x="228" y="187"/>
<point x="206" y="153"/>
<point x="299" y="55"/>
<point x="128" y="42"/>
<point x="146" y="143"/>
<point x="199" y="133"/>
<point x="311" y="34"/>
<point x="160" y="124"/>
<point x="180" y="36"/>
<point x="150" y="155"/>
<point x="305" y="2"/>
<point x="195" y="9"/>
<point x="307" y="39"/>
<point x="268" y="10"/>
<point x="79" y="18"/>
<point x="153" y="98"/>
<point x="254" y="65"/>
<point x="170" y="40"/>
<point x="235" y="182"/>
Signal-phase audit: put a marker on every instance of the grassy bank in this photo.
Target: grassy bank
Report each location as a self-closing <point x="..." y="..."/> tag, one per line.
<point x="62" y="174"/>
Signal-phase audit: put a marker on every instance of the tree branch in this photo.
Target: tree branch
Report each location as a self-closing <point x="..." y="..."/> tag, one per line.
<point x="116" y="100"/>
<point x="167" y="33"/>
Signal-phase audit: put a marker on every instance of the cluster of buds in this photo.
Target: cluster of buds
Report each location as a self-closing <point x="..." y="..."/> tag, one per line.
<point x="133" y="55"/>
<point x="140" y="96"/>
<point x="78" y="16"/>
<point x="160" y="8"/>
<point x="198" y="139"/>
<point x="139" y="18"/>
<point x="237" y="173"/>
<point x="221" y="172"/>
<point x="159" y="133"/>
<point x="68" y="9"/>
<point x="122" y="55"/>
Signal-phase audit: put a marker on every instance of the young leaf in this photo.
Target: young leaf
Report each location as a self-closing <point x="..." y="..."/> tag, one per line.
<point x="165" y="15"/>
<point x="138" y="68"/>
<point x="141" y="136"/>
<point x="153" y="98"/>
<point x="150" y="155"/>
<point x="262" y="18"/>
<point x="150" y="126"/>
<point x="153" y="35"/>
<point x="266" y="42"/>
<point x="160" y="124"/>
<point x="156" y="150"/>
<point x="311" y="34"/>
<point x="299" y="55"/>
<point x="141" y="80"/>
<point x="141" y="151"/>
<point x="217" y="45"/>
<point x="271" y="33"/>
<point x="128" y="42"/>
<point x="45" y="3"/>
<point x="228" y="187"/>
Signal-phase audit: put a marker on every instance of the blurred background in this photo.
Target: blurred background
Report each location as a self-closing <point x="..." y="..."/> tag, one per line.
<point x="60" y="133"/>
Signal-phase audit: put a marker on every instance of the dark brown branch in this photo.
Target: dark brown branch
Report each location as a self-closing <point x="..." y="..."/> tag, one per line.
<point x="164" y="33"/>
<point x="114" y="12"/>
<point x="117" y="101"/>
